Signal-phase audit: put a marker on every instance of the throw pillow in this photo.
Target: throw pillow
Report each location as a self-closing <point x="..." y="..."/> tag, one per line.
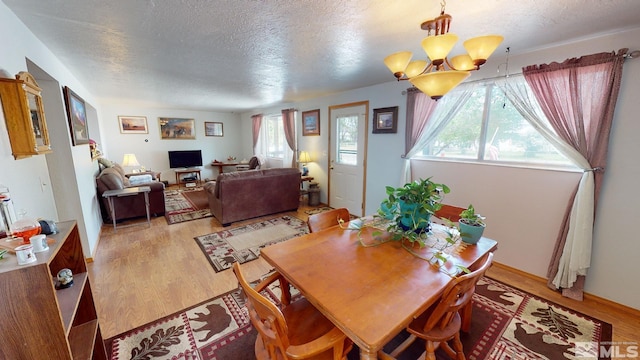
<point x="105" y="163"/>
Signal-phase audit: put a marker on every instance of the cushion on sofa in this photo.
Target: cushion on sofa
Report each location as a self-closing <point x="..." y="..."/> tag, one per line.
<point x="112" y="179"/>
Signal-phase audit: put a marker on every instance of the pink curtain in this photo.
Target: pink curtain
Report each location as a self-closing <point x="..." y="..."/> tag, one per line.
<point x="419" y="110"/>
<point x="255" y="128"/>
<point x="578" y="96"/>
<point x="289" y="121"/>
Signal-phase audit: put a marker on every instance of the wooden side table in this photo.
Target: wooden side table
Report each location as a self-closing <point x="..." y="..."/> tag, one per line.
<point x="180" y="181"/>
<point x="132" y="191"/>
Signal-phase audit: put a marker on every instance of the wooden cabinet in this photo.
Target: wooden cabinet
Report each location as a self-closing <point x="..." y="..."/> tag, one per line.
<point x="24" y="115"/>
<point x="40" y="322"/>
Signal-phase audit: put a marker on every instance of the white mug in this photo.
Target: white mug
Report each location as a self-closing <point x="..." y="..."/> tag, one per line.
<point x="39" y="243"/>
<point x="25" y="254"/>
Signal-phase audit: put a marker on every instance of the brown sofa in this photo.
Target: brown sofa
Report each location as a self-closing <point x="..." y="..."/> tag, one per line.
<point x="113" y="178"/>
<point x="243" y="195"/>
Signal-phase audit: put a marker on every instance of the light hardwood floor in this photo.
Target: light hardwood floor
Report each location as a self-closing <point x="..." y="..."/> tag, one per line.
<point x="141" y="274"/>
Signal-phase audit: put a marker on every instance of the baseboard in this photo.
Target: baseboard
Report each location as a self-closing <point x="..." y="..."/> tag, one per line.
<point x="587" y="296"/>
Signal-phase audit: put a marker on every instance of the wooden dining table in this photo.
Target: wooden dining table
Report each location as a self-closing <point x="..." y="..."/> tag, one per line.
<point x="370" y="293"/>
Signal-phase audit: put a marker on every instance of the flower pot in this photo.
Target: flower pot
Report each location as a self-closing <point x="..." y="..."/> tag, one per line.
<point x="470" y="233"/>
<point x="411" y="215"/>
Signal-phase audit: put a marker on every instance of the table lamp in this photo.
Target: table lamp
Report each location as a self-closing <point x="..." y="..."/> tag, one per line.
<point x="130" y="161"/>
<point x="304" y="158"/>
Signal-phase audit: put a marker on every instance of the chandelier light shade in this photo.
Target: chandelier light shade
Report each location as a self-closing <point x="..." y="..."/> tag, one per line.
<point x="437" y="84"/>
<point x="439" y="75"/>
<point x="398" y="62"/>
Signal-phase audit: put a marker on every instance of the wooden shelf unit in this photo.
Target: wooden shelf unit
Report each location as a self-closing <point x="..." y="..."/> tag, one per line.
<point x="40" y="322"/>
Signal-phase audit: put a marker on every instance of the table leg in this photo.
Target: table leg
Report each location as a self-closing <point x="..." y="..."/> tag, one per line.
<point x="368" y="355"/>
<point x="146" y="205"/>
<point x="113" y="213"/>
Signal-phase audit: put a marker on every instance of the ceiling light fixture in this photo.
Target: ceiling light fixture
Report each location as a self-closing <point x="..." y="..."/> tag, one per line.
<point x="438" y="77"/>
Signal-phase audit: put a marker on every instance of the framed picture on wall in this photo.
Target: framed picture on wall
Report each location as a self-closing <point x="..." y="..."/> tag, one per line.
<point x="133" y="124"/>
<point x="77" y="114"/>
<point x="385" y="120"/>
<point x="213" y="128"/>
<point x="311" y="122"/>
<point x="176" y="128"/>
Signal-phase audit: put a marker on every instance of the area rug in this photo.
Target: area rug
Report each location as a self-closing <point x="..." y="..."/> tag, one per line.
<point x="185" y="205"/>
<point x="317" y="210"/>
<point x="243" y="244"/>
<point x="507" y="323"/>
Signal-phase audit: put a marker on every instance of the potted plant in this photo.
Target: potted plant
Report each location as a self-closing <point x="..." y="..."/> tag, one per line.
<point x="410" y="208"/>
<point x="471" y="225"/>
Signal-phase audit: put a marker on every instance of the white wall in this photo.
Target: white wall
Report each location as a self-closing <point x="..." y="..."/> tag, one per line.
<point x="33" y="181"/>
<point x="151" y="151"/>
<point x="524" y="206"/>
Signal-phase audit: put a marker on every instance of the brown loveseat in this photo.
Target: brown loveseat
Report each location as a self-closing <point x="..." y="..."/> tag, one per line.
<point x="113" y="178"/>
<point x="243" y="195"/>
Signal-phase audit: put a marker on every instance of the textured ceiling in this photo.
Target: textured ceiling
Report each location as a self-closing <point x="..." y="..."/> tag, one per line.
<point x="235" y="55"/>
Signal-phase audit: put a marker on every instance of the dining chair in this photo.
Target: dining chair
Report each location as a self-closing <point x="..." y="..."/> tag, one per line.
<point x="298" y="331"/>
<point x="327" y="219"/>
<point x="441" y="323"/>
<point x="449" y="212"/>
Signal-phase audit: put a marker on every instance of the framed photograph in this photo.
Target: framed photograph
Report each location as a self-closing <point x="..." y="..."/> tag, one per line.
<point x="77" y="114"/>
<point x="213" y="129"/>
<point x="133" y="124"/>
<point x="175" y="128"/>
<point x="385" y="120"/>
<point x="311" y="122"/>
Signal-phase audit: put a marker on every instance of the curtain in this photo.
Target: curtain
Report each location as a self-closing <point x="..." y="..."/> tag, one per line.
<point x="289" y="122"/>
<point x="255" y="129"/>
<point x="426" y="118"/>
<point x="578" y="97"/>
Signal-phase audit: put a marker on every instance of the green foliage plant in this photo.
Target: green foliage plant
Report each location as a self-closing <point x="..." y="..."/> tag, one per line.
<point x="470" y="217"/>
<point x="410" y="224"/>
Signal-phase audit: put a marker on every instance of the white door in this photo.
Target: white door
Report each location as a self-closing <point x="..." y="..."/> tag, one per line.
<point x="347" y="156"/>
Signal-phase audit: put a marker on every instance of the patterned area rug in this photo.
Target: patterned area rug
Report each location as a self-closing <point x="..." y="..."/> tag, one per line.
<point x="507" y="324"/>
<point x="243" y="243"/>
<point x="186" y="205"/>
<point x="317" y="210"/>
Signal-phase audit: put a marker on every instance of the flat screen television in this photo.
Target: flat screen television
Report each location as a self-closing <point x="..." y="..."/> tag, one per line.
<point x="185" y="158"/>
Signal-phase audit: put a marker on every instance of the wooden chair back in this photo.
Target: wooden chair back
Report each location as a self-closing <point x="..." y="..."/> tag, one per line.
<point x="327" y="219"/>
<point x="266" y="317"/>
<point x="456" y="296"/>
<point x="449" y="212"/>
<point x="299" y="331"/>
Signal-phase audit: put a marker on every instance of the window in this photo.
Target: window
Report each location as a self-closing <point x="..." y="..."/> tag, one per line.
<point x="347" y="143"/>
<point x="489" y="128"/>
<point x="272" y="133"/>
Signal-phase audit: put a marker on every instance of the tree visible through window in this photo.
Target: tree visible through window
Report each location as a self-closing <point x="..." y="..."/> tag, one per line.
<point x="489" y="128"/>
<point x="273" y="135"/>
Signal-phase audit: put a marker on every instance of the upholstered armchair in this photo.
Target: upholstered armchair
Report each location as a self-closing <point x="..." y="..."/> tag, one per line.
<point x="113" y="178"/>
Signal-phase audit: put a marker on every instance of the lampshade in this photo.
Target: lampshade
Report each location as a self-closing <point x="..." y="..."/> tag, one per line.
<point x="463" y="62"/>
<point x="415" y="68"/>
<point x="437" y="84"/>
<point x="438" y="47"/>
<point x="398" y="62"/>
<point x="481" y="47"/>
<point x="304" y="157"/>
<point x="130" y="160"/>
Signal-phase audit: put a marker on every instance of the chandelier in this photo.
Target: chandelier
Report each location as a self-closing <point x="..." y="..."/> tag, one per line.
<point x="438" y="77"/>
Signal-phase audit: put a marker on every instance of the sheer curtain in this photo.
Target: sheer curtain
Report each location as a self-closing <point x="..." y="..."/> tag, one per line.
<point x="289" y="122"/>
<point x="426" y="118"/>
<point x="578" y="98"/>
